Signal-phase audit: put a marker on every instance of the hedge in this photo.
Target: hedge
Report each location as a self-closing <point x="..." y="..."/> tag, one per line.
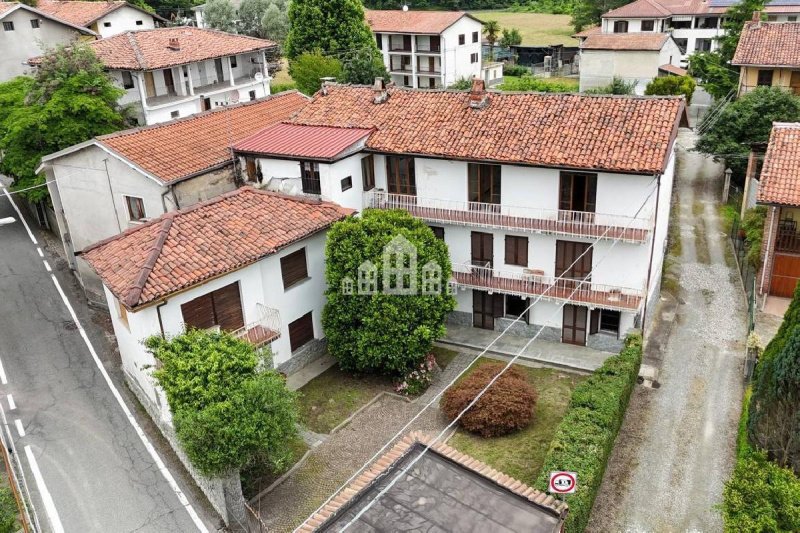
<point x="585" y="437"/>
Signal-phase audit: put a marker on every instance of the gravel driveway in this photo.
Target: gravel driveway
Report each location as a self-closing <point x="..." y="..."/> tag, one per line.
<point x="676" y="447"/>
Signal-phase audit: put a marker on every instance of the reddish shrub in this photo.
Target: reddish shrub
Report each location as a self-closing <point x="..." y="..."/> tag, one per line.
<point x="506" y="407"/>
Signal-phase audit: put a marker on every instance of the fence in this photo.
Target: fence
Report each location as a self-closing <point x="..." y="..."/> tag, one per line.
<point x="741" y="247"/>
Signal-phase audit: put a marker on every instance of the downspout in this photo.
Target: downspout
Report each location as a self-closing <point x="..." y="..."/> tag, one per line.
<point x="652" y="253"/>
<point x="769" y="247"/>
<point x="111" y="191"/>
<point x="160" y="323"/>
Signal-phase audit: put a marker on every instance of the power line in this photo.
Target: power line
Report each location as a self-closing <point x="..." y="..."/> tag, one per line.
<point x="17" y="191"/>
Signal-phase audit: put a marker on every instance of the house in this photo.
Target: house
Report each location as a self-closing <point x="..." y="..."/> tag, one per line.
<point x="248" y="262"/>
<point x="448" y="487"/>
<point x="768" y="54"/>
<point x="105" y="18"/>
<point x="518" y="185"/>
<point x="428" y="49"/>
<point x="633" y="57"/>
<point x="106" y="185"/>
<point x="199" y="12"/>
<point x="27" y="32"/>
<point x="168" y="73"/>
<point x="779" y="190"/>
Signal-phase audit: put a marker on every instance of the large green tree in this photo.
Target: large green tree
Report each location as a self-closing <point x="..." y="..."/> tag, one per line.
<point x="330" y="26"/>
<point x="363" y="67"/>
<point x="308" y="69"/>
<point x="275" y="21"/>
<point x="220" y="15"/>
<point x="587" y="13"/>
<point x="379" y="331"/>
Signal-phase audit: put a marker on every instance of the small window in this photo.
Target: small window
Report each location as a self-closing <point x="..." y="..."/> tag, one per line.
<point x="475" y="37"/>
<point x="792" y="18"/>
<point x="438" y="232"/>
<point x="516" y="250"/>
<point x="107" y="24"/>
<point x="8" y="26"/>
<point x="122" y="314"/>
<point x="473" y="58"/>
<point x="462" y="39"/>
<point x="35" y="24"/>
<point x="301" y="331"/>
<point x="648" y="25"/>
<point x="234" y="64"/>
<point x="516" y="306"/>
<point x="135" y="208"/>
<point x="609" y="321"/>
<point x="702" y="45"/>
<point x="765" y="77"/>
<point x="175" y="114"/>
<point x="347" y="183"/>
<point x="294" y="268"/>
<point x="368" y="172"/>
<point x="772" y="18"/>
<point x="309" y="176"/>
<point x="621" y="26"/>
<point x="127" y="80"/>
<point x="252" y="95"/>
<point x="139" y="23"/>
<point x="379" y="40"/>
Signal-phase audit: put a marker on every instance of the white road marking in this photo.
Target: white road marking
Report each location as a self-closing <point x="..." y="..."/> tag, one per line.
<point x="47" y="499"/>
<point x="41" y="254"/>
<point x="11" y="404"/>
<point x="131" y="419"/>
<point x="11" y="447"/>
<point x="3" y="379"/>
<point x="20" y="428"/>
<point x="47" y="266"/>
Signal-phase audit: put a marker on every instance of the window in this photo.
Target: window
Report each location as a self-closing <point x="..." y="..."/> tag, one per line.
<point x="301" y="331"/>
<point x="252" y="95"/>
<point x="368" y="172"/>
<point x="577" y="192"/>
<point x="791" y="18"/>
<point x="347" y="183"/>
<point x="127" y="80"/>
<point x="702" y="45"/>
<point x="682" y="44"/>
<point x="475" y="37"/>
<point x="139" y="22"/>
<point x="473" y="58"/>
<point x="680" y="24"/>
<point x="621" y="26"/>
<point x="648" y="25"/>
<point x="122" y="314"/>
<point x="135" y="208"/>
<point x="107" y="24"/>
<point x="438" y="232"/>
<point x="220" y="308"/>
<point x="8" y="26"/>
<point x="400" y="175"/>
<point x="379" y="40"/>
<point x="293" y="268"/>
<point x="516" y="307"/>
<point x="706" y="23"/>
<point x="772" y="18"/>
<point x="483" y="183"/>
<point x="462" y="39"/>
<point x="234" y="63"/>
<point x="175" y="114"/>
<point x="605" y="321"/>
<point x="764" y="77"/>
<point x="35" y="24"/>
<point x="309" y="175"/>
<point x="516" y="250"/>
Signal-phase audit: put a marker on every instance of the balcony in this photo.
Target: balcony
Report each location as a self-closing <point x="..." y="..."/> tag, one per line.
<point x="535" y="220"/>
<point x="208" y="90"/>
<point x="532" y="284"/>
<point x="264" y="330"/>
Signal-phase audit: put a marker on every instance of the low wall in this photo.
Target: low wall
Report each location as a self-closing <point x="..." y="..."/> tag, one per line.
<point x="310" y="353"/>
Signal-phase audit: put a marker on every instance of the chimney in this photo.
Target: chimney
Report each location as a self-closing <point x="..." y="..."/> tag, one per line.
<point x="478" y="97"/>
<point x="756" y="16"/>
<point x="174" y="43"/>
<point x="380" y="92"/>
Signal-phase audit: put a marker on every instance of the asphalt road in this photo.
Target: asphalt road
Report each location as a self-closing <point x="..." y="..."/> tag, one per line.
<point x="95" y="473"/>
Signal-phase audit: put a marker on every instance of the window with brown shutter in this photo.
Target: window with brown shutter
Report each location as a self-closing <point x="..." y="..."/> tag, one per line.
<point x="222" y="307"/>
<point x="573" y="260"/>
<point x="516" y="250"/>
<point x="301" y="331"/>
<point x="368" y="172"/>
<point x="293" y="268"/>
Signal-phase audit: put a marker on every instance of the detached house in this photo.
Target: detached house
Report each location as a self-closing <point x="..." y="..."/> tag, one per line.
<point x="105" y="18"/>
<point x="768" y="54"/>
<point x="106" y="185"/>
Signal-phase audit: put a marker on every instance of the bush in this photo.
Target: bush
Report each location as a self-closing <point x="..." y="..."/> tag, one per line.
<point x="515" y="70"/>
<point x="672" y="85"/>
<point x="281" y="87"/>
<point x="753" y="226"/>
<point x="307" y="70"/>
<point x="585" y="437"/>
<point x="529" y="83"/>
<point x="418" y="380"/>
<point x="8" y="511"/>
<point x="461" y="84"/>
<point x="617" y="86"/>
<point x="507" y="405"/>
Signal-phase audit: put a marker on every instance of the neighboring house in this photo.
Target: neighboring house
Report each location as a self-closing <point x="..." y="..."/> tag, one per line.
<point x="779" y="190"/>
<point x="768" y="54"/>
<point x="633" y="57"/>
<point x="105" y="18"/>
<point x="518" y="186"/>
<point x="428" y="49"/>
<point x="106" y="185"/>
<point x="199" y="12"/>
<point x="28" y="32"/>
<point x="444" y="487"/>
<point x="249" y="262"/>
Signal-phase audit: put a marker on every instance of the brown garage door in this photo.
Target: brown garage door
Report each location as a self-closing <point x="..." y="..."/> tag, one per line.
<point x="785" y="274"/>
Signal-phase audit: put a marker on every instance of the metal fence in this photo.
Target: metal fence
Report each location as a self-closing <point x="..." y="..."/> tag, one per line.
<point x="741" y="247"/>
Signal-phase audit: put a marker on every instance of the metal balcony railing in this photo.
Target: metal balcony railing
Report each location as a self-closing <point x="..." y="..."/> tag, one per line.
<point x="536" y="220"/>
<point x="529" y="283"/>
<point x="265" y="329"/>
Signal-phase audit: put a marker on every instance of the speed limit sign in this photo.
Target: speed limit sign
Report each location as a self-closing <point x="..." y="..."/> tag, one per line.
<point x="563" y="482"/>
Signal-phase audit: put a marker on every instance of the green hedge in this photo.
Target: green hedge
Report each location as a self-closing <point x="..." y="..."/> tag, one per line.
<point x="585" y="437"/>
<point x="544" y="85"/>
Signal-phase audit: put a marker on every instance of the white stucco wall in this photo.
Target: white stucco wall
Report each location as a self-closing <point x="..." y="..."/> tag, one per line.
<point x="456" y="58"/>
<point x="599" y="67"/>
<point x="123" y="19"/>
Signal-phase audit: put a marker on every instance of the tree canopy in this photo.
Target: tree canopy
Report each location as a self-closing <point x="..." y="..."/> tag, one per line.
<point x="220" y="15"/>
<point x="275" y="21"/>
<point x="307" y="70"/>
<point x="587" y="13"/>
<point x="329" y="26"/>
<point x="672" y="85"/>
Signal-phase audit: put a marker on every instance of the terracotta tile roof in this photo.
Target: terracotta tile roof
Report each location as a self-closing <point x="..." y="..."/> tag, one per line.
<point x="83" y="13"/>
<point x="780" y="174"/>
<point x="660" y="8"/>
<point x="294" y="140"/>
<point x="769" y="44"/>
<point x="587" y="32"/>
<point x="182" y="148"/>
<point x="413" y="443"/>
<point x="7" y="6"/>
<point x="398" y="21"/>
<point x="183" y="248"/>
<point x="625" y="41"/>
<point x="625" y="134"/>
<point x="672" y="69"/>
<point x="149" y="49"/>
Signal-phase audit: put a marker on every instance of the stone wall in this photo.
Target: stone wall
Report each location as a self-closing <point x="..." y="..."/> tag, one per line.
<point x="308" y="354"/>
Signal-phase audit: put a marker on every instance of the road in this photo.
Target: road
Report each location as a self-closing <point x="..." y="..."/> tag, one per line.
<point x="676" y="447"/>
<point x="84" y="460"/>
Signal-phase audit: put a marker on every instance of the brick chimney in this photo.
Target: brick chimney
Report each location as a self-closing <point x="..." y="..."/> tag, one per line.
<point x="756" y="16"/>
<point x="379" y="91"/>
<point x="174" y="43"/>
<point x="478" y="97"/>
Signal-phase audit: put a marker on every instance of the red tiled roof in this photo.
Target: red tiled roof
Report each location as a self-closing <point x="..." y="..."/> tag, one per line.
<point x="316" y="142"/>
<point x="83" y="13"/>
<point x="399" y="21"/>
<point x="182" y="148"/>
<point x="672" y="69"/>
<point x="618" y="134"/>
<point x="661" y="8"/>
<point x="183" y="248"/>
<point x="625" y="41"/>
<point x="149" y="49"/>
<point x="780" y="175"/>
<point x="6" y="6"/>
<point x="769" y="44"/>
<point x="587" y="32"/>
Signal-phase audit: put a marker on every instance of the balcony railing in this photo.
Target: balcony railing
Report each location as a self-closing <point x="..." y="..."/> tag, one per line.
<point x="265" y="329"/>
<point x="531" y="283"/>
<point x="536" y="220"/>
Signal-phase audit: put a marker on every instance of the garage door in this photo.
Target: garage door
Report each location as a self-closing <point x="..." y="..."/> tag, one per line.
<point x="785" y="274"/>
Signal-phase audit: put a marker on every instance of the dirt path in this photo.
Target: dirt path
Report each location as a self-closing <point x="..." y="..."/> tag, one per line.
<point x="676" y="447"/>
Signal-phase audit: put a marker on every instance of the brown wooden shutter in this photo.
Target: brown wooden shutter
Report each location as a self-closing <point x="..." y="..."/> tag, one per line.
<point x="228" y="307"/>
<point x="293" y="268"/>
<point x="516" y="250"/>
<point x="522" y="251"/>
<point x="199" y="313"/>
<point x="301" y="331"/>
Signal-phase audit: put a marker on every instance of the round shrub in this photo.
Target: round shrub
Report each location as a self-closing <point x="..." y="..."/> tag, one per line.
<point x="506" y="407"/>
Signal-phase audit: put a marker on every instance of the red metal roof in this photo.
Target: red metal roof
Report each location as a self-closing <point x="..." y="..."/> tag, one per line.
<point x="297" y="140"/>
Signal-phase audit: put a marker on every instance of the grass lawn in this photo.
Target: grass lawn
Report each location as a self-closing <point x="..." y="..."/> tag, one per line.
<point x="537" y="29"/>
<point x="258" y="477"/>
<point x="282" y="77"/>
<point x="521" y="454"/>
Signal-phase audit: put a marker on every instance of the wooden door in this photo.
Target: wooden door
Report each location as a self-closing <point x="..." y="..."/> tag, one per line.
<point x="301" y="331"/>
<point x="794" y="82"/>
<point x="482" y="249"/>
<point x="485" y="307"/>
<point x="205" y="104"/>
<point x="785" y="275"/>
<point x="218" y="67"/>
<point x="168" y="81"/>
<point x="149" y="84"/>
<point x="435" y="41"/>
<point x="577" y="194"/>
<point x="566" y="254"/>
<point x="431" y="64"/>
<point x="573" y="328"/>
<point x="250" y="165"/>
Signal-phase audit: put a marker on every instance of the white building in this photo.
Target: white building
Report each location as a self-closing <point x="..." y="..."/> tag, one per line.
<point x="199" y="12"/>
<point x="428" y="49"/>
<point x="249" y="262"/>
<point x="105" y="18"/>
<point x="107" y="185"/>
<point x="515" y="214"/>
<point x="28" y="32"/>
